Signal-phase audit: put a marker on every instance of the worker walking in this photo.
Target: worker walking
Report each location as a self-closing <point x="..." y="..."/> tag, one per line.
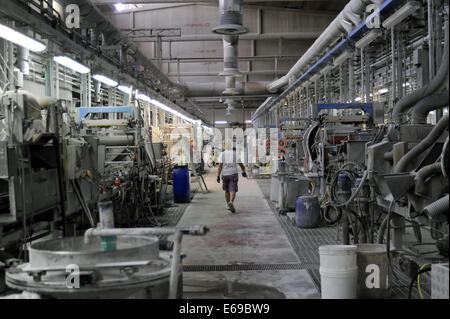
<point x="228" y="168"/>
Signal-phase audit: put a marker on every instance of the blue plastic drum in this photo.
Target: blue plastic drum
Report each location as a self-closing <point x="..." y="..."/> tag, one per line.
<point x="307" y="211"/>
<point x="181" y="185"/>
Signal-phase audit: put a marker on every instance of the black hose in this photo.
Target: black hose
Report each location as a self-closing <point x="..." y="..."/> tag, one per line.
<point x="426" y="269"/>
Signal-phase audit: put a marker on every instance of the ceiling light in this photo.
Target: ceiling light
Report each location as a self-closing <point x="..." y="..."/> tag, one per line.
<point x="169" y="109"/>
<point x="314" y="77"/>
<point x="401" y="14"/>
<point x="383" y="90"/>
<point x="221" y="122"/>
<point x="21" y="39"/>
<point x="105" y="80"/>
<point x="248" y="121"/>
<point x="326" y="69"/>
<point x="342" y="58"/>
<point x="124" y="89"/>
<point x="71" y="64"/>
<point x="144" y="97"/>
<point x="358" y="99"/>
<point x="368" y="38"/>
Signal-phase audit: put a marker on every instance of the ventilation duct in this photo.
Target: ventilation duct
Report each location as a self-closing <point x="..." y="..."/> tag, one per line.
<point x="349" y="18"/>
<point x="230" y="26"/>
<point x="230" y="18"/>
<point x="230" y="106"/>
<point x="230" y="57"/>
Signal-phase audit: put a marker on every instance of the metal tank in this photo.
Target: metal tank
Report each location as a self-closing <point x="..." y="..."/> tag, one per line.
<point x="136" y="269"/>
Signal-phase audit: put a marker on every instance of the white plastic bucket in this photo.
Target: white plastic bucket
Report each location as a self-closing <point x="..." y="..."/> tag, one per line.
<point x="338" y="271"/>
<point x="338" y="284"/>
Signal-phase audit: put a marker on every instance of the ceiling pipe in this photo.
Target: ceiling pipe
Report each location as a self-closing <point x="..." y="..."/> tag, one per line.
<point x="230" y="27"/>
<point x="113" y="36"/>
<point x="230" y="18"/>
<point x="344" y="23"/>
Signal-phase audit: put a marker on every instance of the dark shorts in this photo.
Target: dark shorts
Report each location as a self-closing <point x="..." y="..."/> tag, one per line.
<point x="230" y="183"/>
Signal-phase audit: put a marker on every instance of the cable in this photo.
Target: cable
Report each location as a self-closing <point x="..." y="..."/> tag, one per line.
<point x="418" y="280"/>
<point x="426" y="269"/>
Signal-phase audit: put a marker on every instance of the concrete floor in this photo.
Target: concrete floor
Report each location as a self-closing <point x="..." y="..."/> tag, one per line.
<point x="251" y="236"/>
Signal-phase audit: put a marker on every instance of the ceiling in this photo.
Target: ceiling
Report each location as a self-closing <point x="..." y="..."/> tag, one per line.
<point x="176" y="36"/>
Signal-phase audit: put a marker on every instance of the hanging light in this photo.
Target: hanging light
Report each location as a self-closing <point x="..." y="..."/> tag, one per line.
<point x="105" y="80"/>
<point x="21" y="39"/>
<point x="71" y="64"/>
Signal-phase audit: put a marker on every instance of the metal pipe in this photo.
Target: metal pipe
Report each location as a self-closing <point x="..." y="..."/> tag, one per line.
<point x="345" y="22"/>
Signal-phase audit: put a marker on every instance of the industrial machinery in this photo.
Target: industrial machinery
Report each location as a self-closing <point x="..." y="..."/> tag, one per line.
<point x="375" y="152"/>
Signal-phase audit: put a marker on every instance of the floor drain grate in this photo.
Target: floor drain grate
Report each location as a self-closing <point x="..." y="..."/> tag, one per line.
<point x="242" y="267"/>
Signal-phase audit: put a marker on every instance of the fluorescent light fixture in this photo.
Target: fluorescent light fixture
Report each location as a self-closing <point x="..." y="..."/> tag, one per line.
<point x="220" y="122"/>
<point x="368" y="38"/>
<point x="383" y="90"/>
<point x="358" y="99"/>
<point x="21" y="39"/>
<point x="120" y="6"/>
<point x="124" y="89"/>
<point x="248" y="121"/>
<point x="314" y="77"/>
<point x="406" y="84"/>
<point x="105" y="80"/>
<point x="326" y="69"/>
<point x="207" y="128"/>
<point x="169" y="109"/>
<point x="71" y="64"/>
<point x="341" y="58"/>
<point x="144" y="97"/>
<point x="401" y="14"/>
<point x="164" y="107"/>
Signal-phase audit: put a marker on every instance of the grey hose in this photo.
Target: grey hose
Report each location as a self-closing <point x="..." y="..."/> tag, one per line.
<point x="360" y="186"/>
<point x="423" y="174"/>
<point x="436" y="83"/>
<point x="423" y="145"/>
<point x="437" y="208"/>
<point x="428" y="104"/>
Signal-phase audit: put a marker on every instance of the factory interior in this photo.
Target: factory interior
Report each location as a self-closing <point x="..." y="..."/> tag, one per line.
<point x="123" y="112"/>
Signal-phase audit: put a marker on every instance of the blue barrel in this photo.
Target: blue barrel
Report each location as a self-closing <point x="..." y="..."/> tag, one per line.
<point x="307" y="211"/>
<point x="181" y="185"/>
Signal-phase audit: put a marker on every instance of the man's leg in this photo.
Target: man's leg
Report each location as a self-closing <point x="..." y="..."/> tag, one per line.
<point x="233" y="196"/>
<point x="227" y="197"/>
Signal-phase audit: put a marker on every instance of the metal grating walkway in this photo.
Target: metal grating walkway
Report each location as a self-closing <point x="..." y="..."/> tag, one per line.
<point x="306" y="242"/>
<point x="247" y="267"/>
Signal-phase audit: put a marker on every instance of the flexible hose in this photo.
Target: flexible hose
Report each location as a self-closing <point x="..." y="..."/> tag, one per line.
<point x="428" y="104"/>
<point x="423" y="145"/>
<point x="360" y="186"/>
<point x="426" y="269"/>
<point x="437" y="208"/>
<point x="436" y="83"/>
<point x="423" y="174"/>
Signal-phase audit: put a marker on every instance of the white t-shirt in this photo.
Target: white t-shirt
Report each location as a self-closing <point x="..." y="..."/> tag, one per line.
<point x="228" y="158"/>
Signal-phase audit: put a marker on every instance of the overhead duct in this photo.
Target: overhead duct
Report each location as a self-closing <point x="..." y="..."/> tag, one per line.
<point x="215" y="88"/>
<point x="230" y="86"/>
<point x="349" y="18"/>
<point x="230" y="18"/>
<point x="230" y="26"/>
<point x="230" y="106"/>
<point x="230" y="57"/>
